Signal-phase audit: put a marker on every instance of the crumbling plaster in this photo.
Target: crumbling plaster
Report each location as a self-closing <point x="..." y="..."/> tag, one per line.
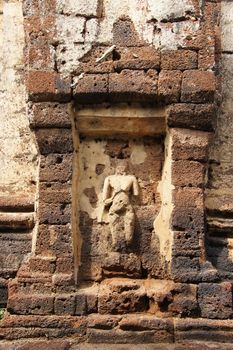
<point x="18" y="158"/>
<point x="144" y="14"/>
<point x="162" y="221"/>
<point x="163" y="24"/>
<point x="92" y="154"/>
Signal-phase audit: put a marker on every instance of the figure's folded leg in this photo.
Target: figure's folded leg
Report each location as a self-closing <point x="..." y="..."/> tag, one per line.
<point x="129" y="225"/>
<point x="114" y="228"/>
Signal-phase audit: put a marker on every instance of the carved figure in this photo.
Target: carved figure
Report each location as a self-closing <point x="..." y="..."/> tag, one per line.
<point x="117" y="193"/>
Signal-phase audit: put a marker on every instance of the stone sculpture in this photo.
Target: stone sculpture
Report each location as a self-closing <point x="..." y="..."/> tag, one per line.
<point x="117" y="192"/>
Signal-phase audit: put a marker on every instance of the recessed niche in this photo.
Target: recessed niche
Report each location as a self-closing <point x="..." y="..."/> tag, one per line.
<point x="115" y="230"/>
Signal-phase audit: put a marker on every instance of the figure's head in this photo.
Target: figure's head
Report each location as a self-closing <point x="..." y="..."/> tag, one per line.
<point x="121" y="168"/>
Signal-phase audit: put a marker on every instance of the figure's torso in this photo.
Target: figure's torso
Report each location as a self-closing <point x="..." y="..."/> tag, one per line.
<point x="121" y="183"/>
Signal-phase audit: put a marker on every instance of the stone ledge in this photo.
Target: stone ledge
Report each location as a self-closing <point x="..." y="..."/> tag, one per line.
<point x="203" y="330"/>
<point x="20" y="202"/>
<point x="187" y="332"/>
<point x="19" y="221"/>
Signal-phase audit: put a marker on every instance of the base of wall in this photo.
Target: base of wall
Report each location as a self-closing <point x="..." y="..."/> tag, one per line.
<point x="71" y="345"/>
<point x="109" y="329"/>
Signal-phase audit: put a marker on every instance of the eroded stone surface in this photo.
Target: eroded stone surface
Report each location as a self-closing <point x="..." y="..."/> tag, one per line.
<point x="117" y="191"/>
<point x="219" y="192"/>
<point x="169" y="224"/>
<point x="18" y="149"/>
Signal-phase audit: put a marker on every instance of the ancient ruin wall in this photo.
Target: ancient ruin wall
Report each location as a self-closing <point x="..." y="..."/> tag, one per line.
<point x="18" y="160"/>
<point x="219" y="189"/>
<point x="165" y="55"/>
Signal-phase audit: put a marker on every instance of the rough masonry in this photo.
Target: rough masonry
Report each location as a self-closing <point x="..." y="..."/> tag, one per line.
<point x="106" y="84"/>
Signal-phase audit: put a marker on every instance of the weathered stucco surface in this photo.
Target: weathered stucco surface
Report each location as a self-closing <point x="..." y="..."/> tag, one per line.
<point x="220" y="193"/>
<point x="162" y="221"/>
<point x="18" y="150"/>
<point x="163" y="24"/>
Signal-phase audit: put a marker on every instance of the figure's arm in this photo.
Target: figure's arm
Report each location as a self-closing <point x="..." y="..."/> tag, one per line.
<point x="101" y="208"/>
<point x="106" y="189"/>
<point x="135" y="187"/>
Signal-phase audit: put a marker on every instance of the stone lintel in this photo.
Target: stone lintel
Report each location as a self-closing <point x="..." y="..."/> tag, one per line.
<point x="121" y="120"/>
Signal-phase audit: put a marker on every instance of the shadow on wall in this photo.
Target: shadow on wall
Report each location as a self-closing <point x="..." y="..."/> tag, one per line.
<point x="220" y="254"/>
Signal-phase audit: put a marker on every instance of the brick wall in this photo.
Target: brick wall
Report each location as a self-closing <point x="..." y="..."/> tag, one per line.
<point x="163" y="56"/>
